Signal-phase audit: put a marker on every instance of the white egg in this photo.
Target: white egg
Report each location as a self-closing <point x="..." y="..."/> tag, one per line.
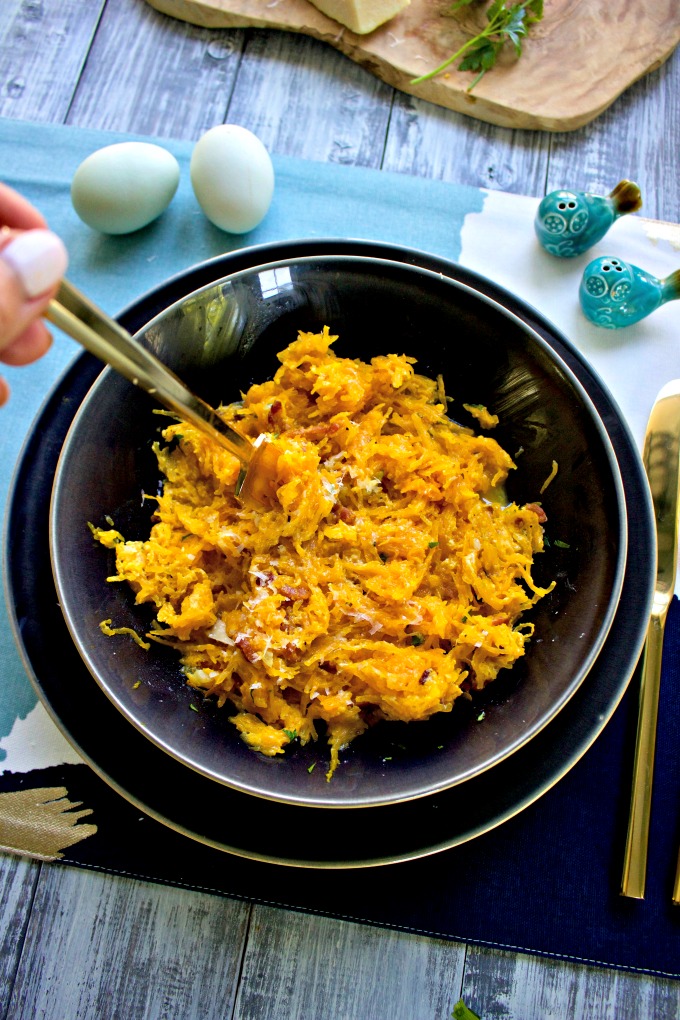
<point x="122" y="187"/>
<point x="232" y="177"/>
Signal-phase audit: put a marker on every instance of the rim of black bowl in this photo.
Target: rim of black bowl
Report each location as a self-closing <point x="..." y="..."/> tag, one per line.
<point x="388" y="796"/>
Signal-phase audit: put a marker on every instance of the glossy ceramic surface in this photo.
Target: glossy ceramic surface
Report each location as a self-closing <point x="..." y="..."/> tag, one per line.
<point x="226" y="336"/>
<point x="614" y="293"/>
<point x="568" y="223"/>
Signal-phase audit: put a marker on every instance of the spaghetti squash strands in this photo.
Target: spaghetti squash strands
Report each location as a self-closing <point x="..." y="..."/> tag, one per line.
<point x="384" y="580"/>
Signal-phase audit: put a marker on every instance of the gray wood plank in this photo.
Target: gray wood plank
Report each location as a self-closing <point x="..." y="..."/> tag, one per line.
<point x="427" y="141"/>
<point x="43" y="47"/>
<point x="510" y="986"/>
<point x="154" y="75"/>
<point x="105" y="947"/>
<point x="637" y="138"/>
<point x="299" y="967"/>
<point x="18" y="878"/>
<point x="302" y="98"/>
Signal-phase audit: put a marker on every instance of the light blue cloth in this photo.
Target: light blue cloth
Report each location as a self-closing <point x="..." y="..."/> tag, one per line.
<point x="310" y="200"/>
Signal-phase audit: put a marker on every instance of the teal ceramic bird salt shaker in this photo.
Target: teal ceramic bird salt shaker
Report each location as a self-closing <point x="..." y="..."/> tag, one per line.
<point x="614" y="293"/>
<point x="569" y="222"/>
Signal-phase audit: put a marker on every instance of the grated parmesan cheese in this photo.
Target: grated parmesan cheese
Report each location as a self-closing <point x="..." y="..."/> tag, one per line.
<point x="387" y="564"/>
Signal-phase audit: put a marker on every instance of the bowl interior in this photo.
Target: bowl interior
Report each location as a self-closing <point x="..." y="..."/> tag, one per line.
<point x="225" y="337"/>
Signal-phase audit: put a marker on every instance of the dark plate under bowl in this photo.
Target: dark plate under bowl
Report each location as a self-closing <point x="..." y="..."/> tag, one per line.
<point x="224" y="337"/>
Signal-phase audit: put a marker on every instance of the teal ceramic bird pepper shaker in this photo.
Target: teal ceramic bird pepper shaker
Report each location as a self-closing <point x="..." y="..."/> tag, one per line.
<point x="614" y="293"/>
<point x="569" y="222"/>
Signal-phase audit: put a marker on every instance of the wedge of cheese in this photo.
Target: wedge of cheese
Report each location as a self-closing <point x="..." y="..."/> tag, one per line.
<point x="361" y="16"/>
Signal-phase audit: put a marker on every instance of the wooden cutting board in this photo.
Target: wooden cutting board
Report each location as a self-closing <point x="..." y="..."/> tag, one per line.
<point x="576" y="61"/>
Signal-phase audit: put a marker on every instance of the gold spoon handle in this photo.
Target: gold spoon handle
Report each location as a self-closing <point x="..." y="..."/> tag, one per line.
<point x="635" y="857"/>
<point x="102" y="336"/>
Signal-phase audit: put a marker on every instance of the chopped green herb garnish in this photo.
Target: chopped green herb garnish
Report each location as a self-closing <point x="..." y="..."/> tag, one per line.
<point x="312" y="767"/>
<point x="462" y="1012"/>
<point x="431" y="545"/>
<point x="388" y="758"/>
<point x="560" y="544"/>
<point x="481" y="716"/>
<point x="417" y="639"/>
<point x="136" y="685"/>
<point x="109" y="521"/>
<point x="291" y="734"/>
<point x="507" y="22"/>
<point x="193" y="708"/>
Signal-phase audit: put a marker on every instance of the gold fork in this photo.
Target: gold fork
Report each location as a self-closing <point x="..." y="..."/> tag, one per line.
<point x="85" y="322"/>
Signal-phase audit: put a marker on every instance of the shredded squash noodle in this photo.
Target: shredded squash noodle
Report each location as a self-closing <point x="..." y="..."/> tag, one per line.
<point x="387" y="577"/>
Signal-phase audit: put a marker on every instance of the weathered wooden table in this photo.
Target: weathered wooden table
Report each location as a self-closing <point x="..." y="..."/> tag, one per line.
<point x="76" y="944"/>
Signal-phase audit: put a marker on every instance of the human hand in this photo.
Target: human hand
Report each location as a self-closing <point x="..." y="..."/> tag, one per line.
<point x="32" y="262"/>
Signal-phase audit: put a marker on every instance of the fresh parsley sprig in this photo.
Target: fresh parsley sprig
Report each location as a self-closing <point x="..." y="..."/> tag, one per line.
<point x="463" y="1012"/>
<point x="506" y="23"/>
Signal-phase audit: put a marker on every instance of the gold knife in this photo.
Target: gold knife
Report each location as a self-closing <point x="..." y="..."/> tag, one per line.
<point x="662" y="463"/>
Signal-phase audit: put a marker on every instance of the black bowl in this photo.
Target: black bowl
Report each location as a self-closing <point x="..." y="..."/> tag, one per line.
<point x="224" y="337"/>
